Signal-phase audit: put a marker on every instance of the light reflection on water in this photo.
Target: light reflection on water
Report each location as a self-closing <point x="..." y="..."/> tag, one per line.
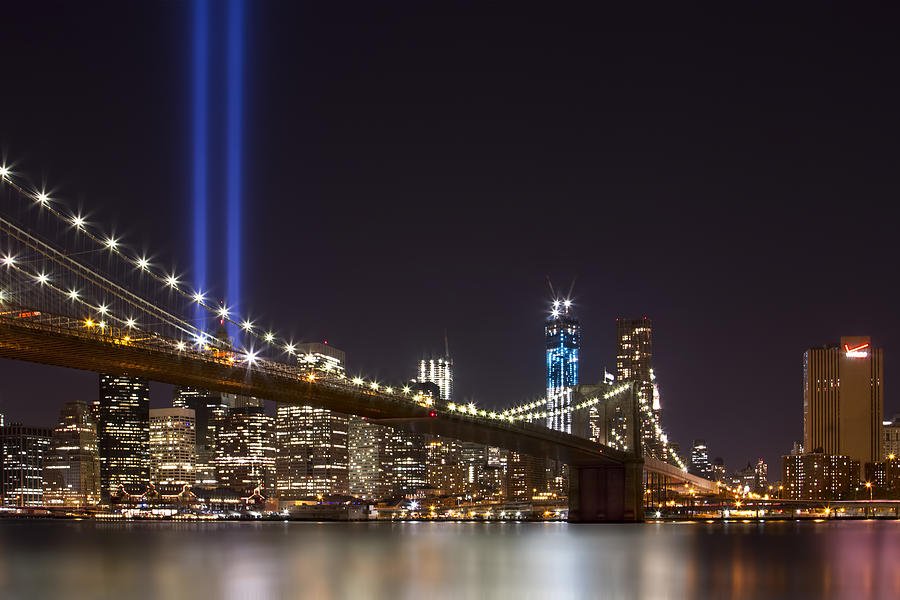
<point x="85" y="559"/>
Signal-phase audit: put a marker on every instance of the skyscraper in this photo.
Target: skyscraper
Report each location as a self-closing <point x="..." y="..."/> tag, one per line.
<point x="312" y="446"/>
<point x="245" y="448"/>
<point x="405" y="453"/>
<point x="367" y="449"/>
<point x="843" y="398"/>
<point x="440" y="372"/>
<point x="22" y="453"/>
<point x="72" y="467"/>
<point x="173" y="438"/>
<point x="124" y="435"/>
<point x="209" y="410"/>
<point x="634" y="354"/>
<point x="562" y="334"/>
<point x="700" y="465"/>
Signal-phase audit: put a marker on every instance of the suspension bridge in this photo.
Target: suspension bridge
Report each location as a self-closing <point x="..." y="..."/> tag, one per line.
<point x="73" y="296"/>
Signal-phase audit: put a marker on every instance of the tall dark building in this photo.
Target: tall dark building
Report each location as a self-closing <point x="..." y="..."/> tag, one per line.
<point x="124" y="435"/>
<point x="22" y="453"/>
<point x="562" y="335"/>
<point x="700" y="465"/>
<point x="634" y="356"/>
<point x="209" y="410"/>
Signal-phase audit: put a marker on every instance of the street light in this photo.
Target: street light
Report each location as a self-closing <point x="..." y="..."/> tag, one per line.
<point x="869" y="485"/>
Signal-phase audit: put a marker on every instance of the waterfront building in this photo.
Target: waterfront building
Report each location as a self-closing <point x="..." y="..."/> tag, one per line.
<point x="245" y="448"/>
<point x="890" y="438"/>
<point x="71" y="474"/>
<point x="440" y="372"/>
<point x="700" y="465"/>
<point x="634" y="355"/>
<point x="209" y="409"/>
<point x="405" y="453"/>
<point x="473" y="461"/>
<point x="819" y="476"/>
<point x="562" y="340"/>
<point x="842" y="399"/>
<point x="312" y="452"/>
<point x="124" y="435"/>
<point x="367" y="450"/>
<point x="173" y="448"/>
<point x="443" y="469"/>
<point x="22" y="454"/>
<point x="526" y="476"/>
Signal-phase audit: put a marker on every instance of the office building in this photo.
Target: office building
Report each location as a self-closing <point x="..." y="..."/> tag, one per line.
<point x="634" y="362"/>
<point x="72" y="466"/>
<point x="842" y="400"/>
<point x="369" y="465"/>
<point x="209" y="409"/>
<point x="440" y="372"/>
<point x="312" y="452"/>
<point x="562" y="337"/>
<point x="322" y="358"/>
<point x="406" y="468"/>
<point x="23" y="451"/>
<point x="890" y="438"/>
<point x="700" y="465"/>
<point x="245" y="448"/>
<point x="444" y="473"/>
<point x="526" y="476"/>
<point x="173" y="440"/>
<point x="818" y="476"/>
<point x="124" y="435"/>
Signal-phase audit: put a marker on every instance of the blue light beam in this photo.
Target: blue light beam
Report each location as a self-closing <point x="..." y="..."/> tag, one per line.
<point x="234" y="142"/>
<point x="201" y="150"/>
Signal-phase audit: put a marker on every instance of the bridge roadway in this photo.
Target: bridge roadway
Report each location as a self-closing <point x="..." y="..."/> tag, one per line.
<point x="59" y="341"/>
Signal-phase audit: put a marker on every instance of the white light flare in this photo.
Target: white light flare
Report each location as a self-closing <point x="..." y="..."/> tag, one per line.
<point x="172" y="281"/>
<point x="42" y="278"/>
<point x="73" y="294"/>
<point x="9" y="260"/>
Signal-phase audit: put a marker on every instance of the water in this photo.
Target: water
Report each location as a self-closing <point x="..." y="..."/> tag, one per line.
<point x="165" y="560"/>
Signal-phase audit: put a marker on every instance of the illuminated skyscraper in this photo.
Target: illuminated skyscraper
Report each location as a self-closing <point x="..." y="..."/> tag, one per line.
<point x="369" y="465"/>
<point x="173" y="438"/>
<point x="634" y="355"/>
<point x="209" y="410"/>
<point x="843" y="394"/>
<point x="312" y="446"/>
<point x="245" y="448"/>
<point x="405" y="453"/>
<point x="700" y="465"/>
<point x="22" y="453"/>
<point x="440" y="372"/>
<point x="562" y="333"/>
<point x="124" y="435"/>
<point x="72" y="467"/>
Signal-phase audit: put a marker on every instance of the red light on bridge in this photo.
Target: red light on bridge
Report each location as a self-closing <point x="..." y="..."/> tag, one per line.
<point x="432" y="414"/>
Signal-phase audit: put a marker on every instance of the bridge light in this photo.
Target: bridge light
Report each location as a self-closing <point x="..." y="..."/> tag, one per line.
<point x="451" y="406"/>
<point x="42" y="198"/>
<point x="4" y="172"/>
<point x="567" y="303"/>
<point x="554" y="313"/>
<point x="290" y="348"/>
<point x="357" y="381"/>
<point x="111" y="243"/>
<point x="2" y="295"/>
<point x="142" y="263"/>
<point x="251" y="357"/>
<point x="88" y="323"/>
<point x="101" y="325"/>
<point x="9" y="260"/>
<point x="405" y="389"/>
<point x="374" y="385"/>
<point x="429" y="401"/>
<point x="270" y="337"/>
<point x="102" y="309"/>
<point x="172" y="281"/>
<point x="389" y="390"/>
<point x="472" y="407"/>
<point x="199" y="297"/>
<point x="42" y="278"/>
<point x="78" y="222"/>
<point x="130" y="323"/>
<point x="556" y="304"/>
<point x="181" y="345"/>
<point x="223" y="312"/>
<point x="73" y="294"/>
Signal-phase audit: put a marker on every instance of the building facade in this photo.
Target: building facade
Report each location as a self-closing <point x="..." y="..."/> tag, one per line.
<point x="818" y="476"/>
<point x="209" y="410"/>
<point x="173" y="449"/>
<point x="245" y="449"/>
<point x="72" y="467"/>
<point x="124" y="435"/>
<point x="634" y="362"/>
<point x="369" y="465"/>
<point x="890" y="438"/>
<point x="700" y="465"/>
<point x="440" y="372"/>
<point x="843" y="400"/>
<point x="312" y="452"/>
<point x="562" y="337"/>
<point x="23" y="451"/>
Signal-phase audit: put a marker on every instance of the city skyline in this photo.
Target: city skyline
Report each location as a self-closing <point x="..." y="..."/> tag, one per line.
<point x="706" y="259"/>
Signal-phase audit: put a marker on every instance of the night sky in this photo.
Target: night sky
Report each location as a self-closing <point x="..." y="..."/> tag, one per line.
<point x="728" y="171"/>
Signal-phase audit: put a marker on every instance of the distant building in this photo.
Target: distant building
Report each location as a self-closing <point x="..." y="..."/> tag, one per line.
<point x="209" y="409"/>
<point x="818" y="476"/>
<point x="890" y="438"/>
<point x="23" y="450"/>
<point x="700" y="465"/>
<point x="313" y="457"/>
<point x="440" y="372"/>
<point x="525" y="476"/>
<point x="72" y="466"/>
<point x="245" y="449"/>
<point x="312" y="443"/>
<point x="761" y="476"/>
<point x="443" y="469"/>
<point x="718" y="469"/>
<point x="173" y="451"/>
<point x="124" y="435"/>
<point x="842" y="399"/>
<point x="610" y="419"/>
<point x="405" y="453"/>
<point x="562" y="340"/>
<point x="367" y="450"/>
<point x="634" y="356"/>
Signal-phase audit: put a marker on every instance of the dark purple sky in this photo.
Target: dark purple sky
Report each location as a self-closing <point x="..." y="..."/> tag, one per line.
<point x="728" y="171"/>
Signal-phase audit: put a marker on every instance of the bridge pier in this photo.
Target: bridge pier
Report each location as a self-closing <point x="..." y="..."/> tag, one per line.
<point x="605" y="493"/>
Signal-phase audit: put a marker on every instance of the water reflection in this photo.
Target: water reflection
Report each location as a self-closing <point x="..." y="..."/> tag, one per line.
<point x="859" y="559"/>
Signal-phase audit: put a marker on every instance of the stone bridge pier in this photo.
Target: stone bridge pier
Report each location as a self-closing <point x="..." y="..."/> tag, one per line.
<point x="606" y="493"/>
